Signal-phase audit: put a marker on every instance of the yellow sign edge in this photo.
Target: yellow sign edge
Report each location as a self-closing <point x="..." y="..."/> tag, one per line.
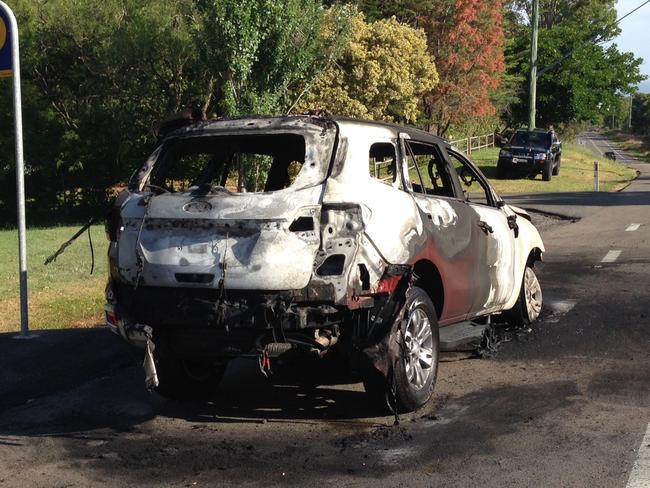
<point x="6" y="73"/>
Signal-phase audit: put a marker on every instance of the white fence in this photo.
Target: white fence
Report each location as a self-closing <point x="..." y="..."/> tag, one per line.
<point x="474" y="143"/>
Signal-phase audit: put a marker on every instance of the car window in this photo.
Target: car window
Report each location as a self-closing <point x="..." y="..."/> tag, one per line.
<point x="250" y="163"/>
<point x="474" y="188"/>
<point x="526" y="138"/>
<point x="382" y="162"/>
<point x="427" y="170"/>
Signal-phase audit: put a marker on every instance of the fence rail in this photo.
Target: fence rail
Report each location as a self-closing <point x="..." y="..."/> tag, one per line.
<point x="474" y="143"/>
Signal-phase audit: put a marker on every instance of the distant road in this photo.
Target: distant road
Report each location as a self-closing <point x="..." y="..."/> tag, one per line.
<point x="601" y="144"/>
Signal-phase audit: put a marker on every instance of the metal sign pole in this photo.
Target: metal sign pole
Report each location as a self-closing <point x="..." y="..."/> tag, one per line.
<point x="12" y="37"/>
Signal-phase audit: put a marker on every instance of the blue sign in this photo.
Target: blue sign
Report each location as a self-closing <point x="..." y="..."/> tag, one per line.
<point x="5" y="45"/>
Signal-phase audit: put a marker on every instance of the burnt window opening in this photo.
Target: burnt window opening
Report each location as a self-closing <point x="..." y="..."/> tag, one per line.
<point x="332" y="266"/>
<point x="382" y="162"/>
<point x="302" y="224"/>
<point x="428" y="171"/>
<point x="238" y="164"/>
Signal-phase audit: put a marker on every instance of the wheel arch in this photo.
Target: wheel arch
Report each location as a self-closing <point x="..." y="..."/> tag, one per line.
<point x="428" y="277"/>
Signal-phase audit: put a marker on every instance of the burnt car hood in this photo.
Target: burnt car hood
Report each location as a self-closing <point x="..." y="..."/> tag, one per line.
<point x="244" y="241"/>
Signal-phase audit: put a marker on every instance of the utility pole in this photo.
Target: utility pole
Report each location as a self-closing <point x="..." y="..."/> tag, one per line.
<point x="629" y="120"/>
<point x="532" y="91"/>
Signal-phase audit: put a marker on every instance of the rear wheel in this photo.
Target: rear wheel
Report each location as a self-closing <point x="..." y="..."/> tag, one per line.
<point x="187" y="378"/>
<point x="556" y="170"/>
<point x="416" y="370"/>
<point x="529" y="303"/>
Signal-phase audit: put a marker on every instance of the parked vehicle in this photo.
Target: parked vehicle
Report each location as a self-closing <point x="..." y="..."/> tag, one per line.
<point x="530" y="153"/>
<point x="610" y="155"/>
<point x="334" y="234"/>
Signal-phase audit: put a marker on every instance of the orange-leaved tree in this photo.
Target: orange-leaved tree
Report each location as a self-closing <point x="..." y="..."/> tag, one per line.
<point x="466" y="39"/>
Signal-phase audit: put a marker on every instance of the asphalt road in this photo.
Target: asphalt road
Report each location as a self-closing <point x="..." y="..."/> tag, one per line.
<point x="566" y="404"/>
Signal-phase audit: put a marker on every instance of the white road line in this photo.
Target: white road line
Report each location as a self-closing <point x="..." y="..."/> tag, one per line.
<point x="633" y="227"/>
<point x="640" y="475"/>
<point x="611" y="257"/>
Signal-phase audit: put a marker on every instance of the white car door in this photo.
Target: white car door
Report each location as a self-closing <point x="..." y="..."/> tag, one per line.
<point x="495" y="270"/>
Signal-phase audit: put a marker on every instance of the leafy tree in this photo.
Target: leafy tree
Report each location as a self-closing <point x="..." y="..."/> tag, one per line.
<point x="382" y="74"/>
<point x="467" y="41"/>
<point x="406" y="11"/>
<point x="263" y="51"/>
<point x="641" y="114"/>
<point x="587" y="78"/>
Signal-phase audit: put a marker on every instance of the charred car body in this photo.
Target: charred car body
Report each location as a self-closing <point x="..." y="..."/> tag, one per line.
<point x="359" y="238"/>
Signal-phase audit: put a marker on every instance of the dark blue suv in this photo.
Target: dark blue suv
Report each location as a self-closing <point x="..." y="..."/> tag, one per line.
<point x="531" y="152"/>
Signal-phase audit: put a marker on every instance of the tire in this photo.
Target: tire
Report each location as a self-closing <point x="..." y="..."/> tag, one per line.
<point x="556" y="170"/>
<point x="416" y="370"/>
<point x="529" y="303"/>
<point x="547" y="171"/>
<point x="187" y="378"/>
<point x="501" y="172"/>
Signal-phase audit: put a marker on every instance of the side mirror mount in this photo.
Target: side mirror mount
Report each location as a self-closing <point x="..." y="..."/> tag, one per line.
<point x="501" y="204"/>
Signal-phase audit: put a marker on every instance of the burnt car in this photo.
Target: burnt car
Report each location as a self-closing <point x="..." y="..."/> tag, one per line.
<point x="531" y="152"/>
<point x="278" y="237"/>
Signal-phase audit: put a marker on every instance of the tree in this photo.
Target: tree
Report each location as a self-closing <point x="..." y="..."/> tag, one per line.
<point x="589" y="78"/>
<point x="641" y="114"/>
<point x="382" y="74"/>
<point x="467" y="41"/>
<point x="263" y="51"/>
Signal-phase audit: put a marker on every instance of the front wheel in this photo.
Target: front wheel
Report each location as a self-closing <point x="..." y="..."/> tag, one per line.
<point x="501" y="172"/>
<point x="547" y="172"/>
<point x="529" y="304"/>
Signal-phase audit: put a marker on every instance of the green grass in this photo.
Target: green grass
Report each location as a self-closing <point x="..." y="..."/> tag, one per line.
<point x="633" y="144"/>
<point x="576" y="173"/>
<point x="62" y="294"/>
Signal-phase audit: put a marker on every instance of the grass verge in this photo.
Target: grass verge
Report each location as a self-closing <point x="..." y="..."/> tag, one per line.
<point x="62" y="294"/>
<point x="576" y="173"/>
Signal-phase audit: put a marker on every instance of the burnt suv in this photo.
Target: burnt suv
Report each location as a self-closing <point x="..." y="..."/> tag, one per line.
<point x="531" y="152"/>
<point x="272" y="238"/>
